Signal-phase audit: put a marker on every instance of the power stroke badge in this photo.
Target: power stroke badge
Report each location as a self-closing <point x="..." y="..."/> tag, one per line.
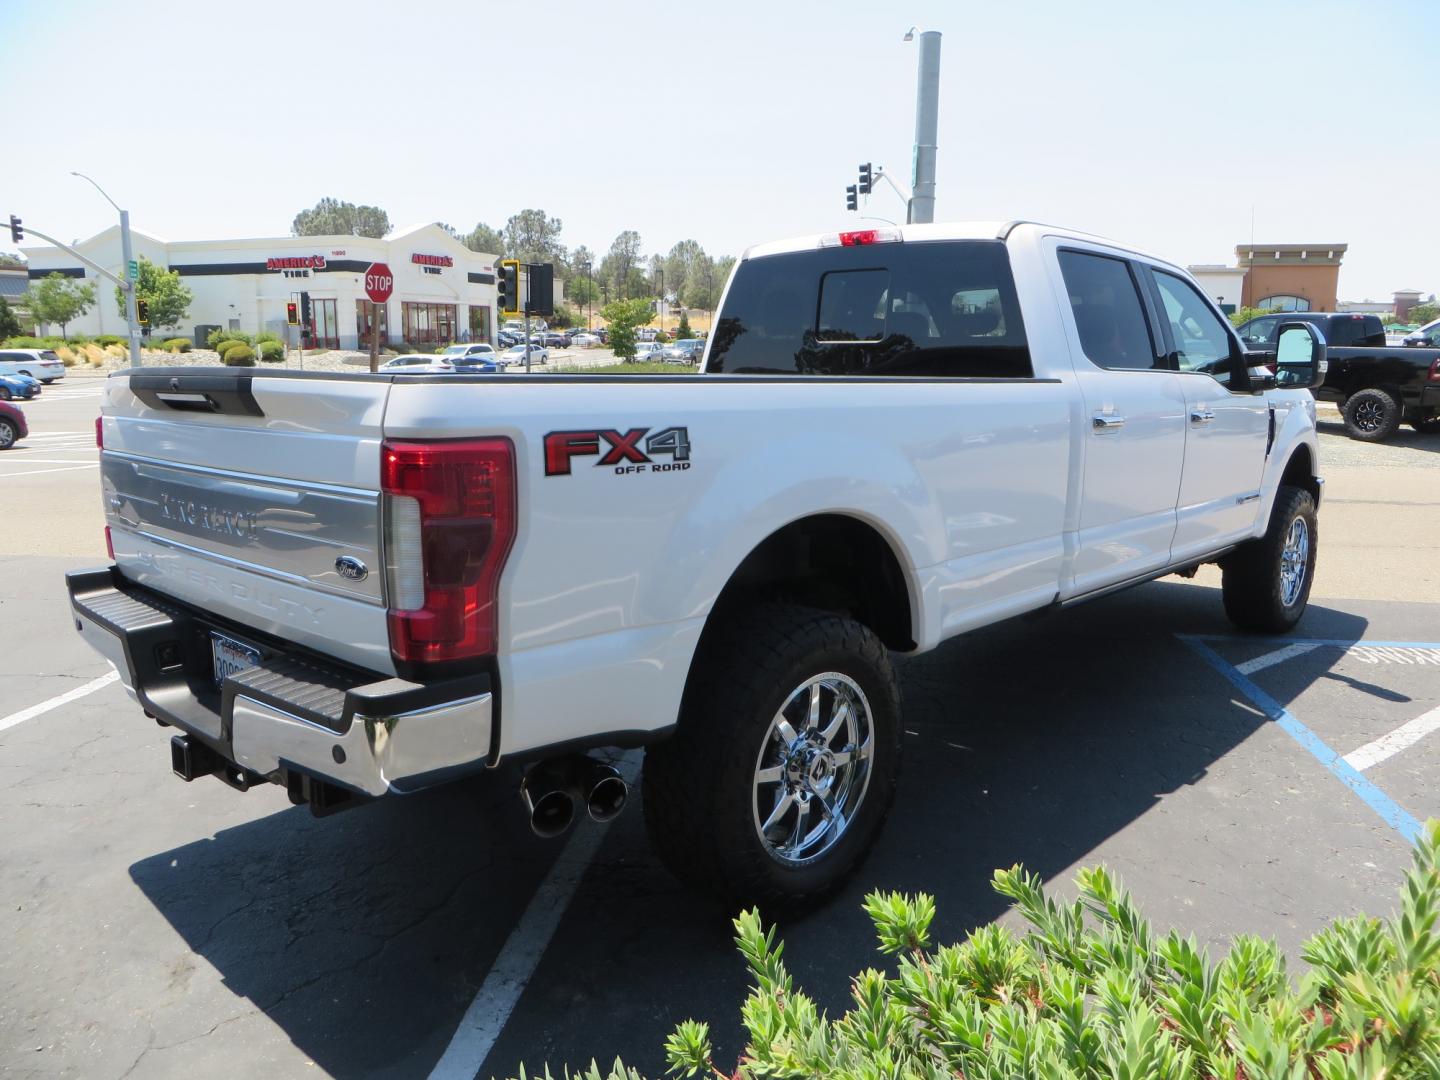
<point x="619" y="450"/>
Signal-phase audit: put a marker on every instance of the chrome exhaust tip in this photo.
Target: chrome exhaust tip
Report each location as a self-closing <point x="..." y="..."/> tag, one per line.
<point x="605" y="792"/>
<point x="549" y="800"/>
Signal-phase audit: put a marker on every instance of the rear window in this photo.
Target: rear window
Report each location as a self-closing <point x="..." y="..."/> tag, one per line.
<point x="1356" y="331"/>
<point x="936" y="309"/>
<point x="49" y="355"/>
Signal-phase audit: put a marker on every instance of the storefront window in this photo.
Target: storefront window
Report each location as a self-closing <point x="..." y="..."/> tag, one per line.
<point x="479" y="323"/>
<point x="1284" y="303"/>
<point x="325" y="325"/>
<point x="363" y="324"/>
<point x="429" y="324"/>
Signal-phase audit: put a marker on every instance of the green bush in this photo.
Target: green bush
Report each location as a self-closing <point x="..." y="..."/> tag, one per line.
<point x="682" y="329"/>
<point x="111" y="339"/>
<point x="76" y="340"/>
<point x="216" y="336"/>
<point x="1091" y="992"/>
<point x="177" y="344"/>
<point x="238" y="355"/>
<point x="34" y="342"/>
<point x="271" y="352"/>
<point x="268" y="335"/>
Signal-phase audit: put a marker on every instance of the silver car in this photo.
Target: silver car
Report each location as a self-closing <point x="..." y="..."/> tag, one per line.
<point x="418" y="364"/>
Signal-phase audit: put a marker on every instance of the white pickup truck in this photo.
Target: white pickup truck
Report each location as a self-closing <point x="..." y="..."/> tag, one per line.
<point x="352" y="585"/>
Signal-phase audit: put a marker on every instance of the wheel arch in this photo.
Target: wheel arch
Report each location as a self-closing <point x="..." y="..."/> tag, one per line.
<point x="1299" y="471"/>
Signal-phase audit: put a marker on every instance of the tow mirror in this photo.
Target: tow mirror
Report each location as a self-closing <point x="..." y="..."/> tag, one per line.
<point x="1300" y="362"/>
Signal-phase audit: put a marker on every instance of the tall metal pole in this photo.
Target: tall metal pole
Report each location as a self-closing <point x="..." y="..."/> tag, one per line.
<point x="126" y="253"/>
<point x="131" y="315"/>
<point x="927" y="122"/>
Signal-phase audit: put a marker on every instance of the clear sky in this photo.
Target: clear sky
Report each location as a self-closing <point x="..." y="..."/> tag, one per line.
<point x="1161" y="123"/>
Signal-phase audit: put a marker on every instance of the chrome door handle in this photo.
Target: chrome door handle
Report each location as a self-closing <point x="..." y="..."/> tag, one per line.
<point x="1107" y="423"/>
<point x="1201" y="416"/>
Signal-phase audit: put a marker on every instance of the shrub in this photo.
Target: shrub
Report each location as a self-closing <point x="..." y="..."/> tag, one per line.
<point x="271" y="352"/>
<point x="105" y="356"/>
<point x="682" y="330"/>
<point x="93" y="353"/>
<point x="1091" y="991"/>
<point x="268" y="335"/>
<point x="238" y="355"/>
<point x="30" y="343"/>
<point x="78" y="339"/>
<point x="117" y="350"/>
<point x="67" y="355"/>
<point x="177" y="344"/>
<point x="216" y="336"/>
<point x="105" y="340"/>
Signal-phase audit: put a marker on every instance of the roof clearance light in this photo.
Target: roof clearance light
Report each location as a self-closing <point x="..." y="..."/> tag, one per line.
<point x="862" y="237"/>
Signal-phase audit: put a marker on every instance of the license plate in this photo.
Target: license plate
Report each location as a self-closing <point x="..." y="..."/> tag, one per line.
<point x="231" y="656"/>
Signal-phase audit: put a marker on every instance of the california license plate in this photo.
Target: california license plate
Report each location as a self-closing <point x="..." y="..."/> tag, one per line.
<point x="231" y="656"/>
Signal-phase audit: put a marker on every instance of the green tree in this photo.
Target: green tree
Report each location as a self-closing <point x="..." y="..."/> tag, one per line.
<point x="484" y="239"/>
<point x="1421" y="314"/>
<point x="582" y="291"/>
<point x="164" y="292"/>
<point x="682" y="329"/>
<point x="9" y="324"/>
<point x="57" y="299"/>
<point x="677" y="265"/>
<point x="620" y="265"/>
<point x="11" y="262"/>
<point x="531" y="236"/>
<point x="623" y="316"/>
<point x="1245" y="314"/>
<point x="331" y="217"/>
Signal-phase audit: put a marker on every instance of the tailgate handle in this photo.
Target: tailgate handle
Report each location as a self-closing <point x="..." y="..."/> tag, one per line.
<point x="228" y="394"/>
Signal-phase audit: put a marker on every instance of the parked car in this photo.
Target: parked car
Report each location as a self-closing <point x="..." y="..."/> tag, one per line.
<point x="516" y="355"/>
<point x="464" y="355"/>
<point x="585" y="340"/>
<point x="12" y="425"/>
<point x="480" y="578"/>
<point x="556" y="339"/>
<point x="1377" y="386"/>
<point x="646" y="351"/>
<point x="673" y="354"/>
<point x="42" y="364"/>
<point x="21" y="387"/>
<point x="492" y="366"/>
<point x="417" y="363"/>
<point x="691" y="348"/>
<point x="1427" y="335"/>
<point x="507" y="338"/>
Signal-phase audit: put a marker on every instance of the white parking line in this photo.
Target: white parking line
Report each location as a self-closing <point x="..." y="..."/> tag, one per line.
<point x="55" y="702"/>
<point x="42" y="472"/>
<point x="1270" y="659"/>
<point x="1387" y="746"/>
<point x="21" y="460"/>
<point x="486" y="1017"/>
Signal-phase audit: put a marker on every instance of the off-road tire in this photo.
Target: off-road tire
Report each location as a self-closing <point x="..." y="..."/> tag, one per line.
<point x="1251" y="579"/>
<point x="698" y="785"/>
<point x="1371" y="415"/>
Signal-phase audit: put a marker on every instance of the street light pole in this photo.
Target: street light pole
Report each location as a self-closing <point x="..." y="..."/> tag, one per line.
<point x="126" y="253"/>
<point x="927" y="122"/>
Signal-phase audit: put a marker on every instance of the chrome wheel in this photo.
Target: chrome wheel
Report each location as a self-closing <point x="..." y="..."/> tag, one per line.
<point x="7" y="434"/>
<point x="1293" y="559"/>
<point x="813" y="768"/>
<point x="1369" y="415"/>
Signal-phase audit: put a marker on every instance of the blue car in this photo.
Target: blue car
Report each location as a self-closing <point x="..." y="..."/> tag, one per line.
<point x="469" y="366"/>
<point x="18" y="387"/>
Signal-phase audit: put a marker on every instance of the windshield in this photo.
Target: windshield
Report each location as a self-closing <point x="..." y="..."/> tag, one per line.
<point x="454" y="350"/>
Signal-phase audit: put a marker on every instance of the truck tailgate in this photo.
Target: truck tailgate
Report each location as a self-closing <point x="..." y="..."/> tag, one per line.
<point x="255" y="497"/>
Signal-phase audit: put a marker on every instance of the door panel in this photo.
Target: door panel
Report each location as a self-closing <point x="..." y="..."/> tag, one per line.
<point x="1134" y="441"/>
<point x="1226" y="427"/>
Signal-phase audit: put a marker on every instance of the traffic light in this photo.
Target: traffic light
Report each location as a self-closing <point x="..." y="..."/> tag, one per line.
<point x="507" y="286"/>
<point x="16" y="232"/>
<point x="541" y="294"/>
<point x="867" y="179"/>
<point x="142" y="312"/>
<point x="852" y="198"/>
<point x="305" y="310"/>
<point x="292" y="313"/>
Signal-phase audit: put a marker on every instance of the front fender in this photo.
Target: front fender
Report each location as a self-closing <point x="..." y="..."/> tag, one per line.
<point x="1294" y="429"/>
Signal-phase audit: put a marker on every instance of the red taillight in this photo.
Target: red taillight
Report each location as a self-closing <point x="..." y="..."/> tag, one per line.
<point x="100" y="432"/>
<point x="450" y="521"/>
<point x="861" y="237"/>
<point x="1435" y="370"/>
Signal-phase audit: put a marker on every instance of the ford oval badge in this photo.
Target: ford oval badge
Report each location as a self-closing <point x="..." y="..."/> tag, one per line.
<point x="351" y="568"/>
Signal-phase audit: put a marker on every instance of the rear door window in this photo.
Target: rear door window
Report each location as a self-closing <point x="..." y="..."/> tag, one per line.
<point x="1109" y="317"/>
<point x="939" y="309"/>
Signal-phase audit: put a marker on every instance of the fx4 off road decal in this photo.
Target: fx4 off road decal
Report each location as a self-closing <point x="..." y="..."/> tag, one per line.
<point x="619" y="450"/>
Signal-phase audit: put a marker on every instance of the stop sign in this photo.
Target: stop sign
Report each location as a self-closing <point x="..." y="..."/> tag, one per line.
<point x="379" y="283"/>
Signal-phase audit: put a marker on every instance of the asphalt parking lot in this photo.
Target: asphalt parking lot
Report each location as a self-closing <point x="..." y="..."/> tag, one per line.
<point x="161" y="929"/>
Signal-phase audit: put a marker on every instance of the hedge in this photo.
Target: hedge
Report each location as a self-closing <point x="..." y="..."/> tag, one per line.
<point x="239" y="355"/>
<point x="216" y="336"/>
<point x="34" y="342"/>
<point x="177" y="344"/>
<point x="1091" y="992"/>
<point x="272" y="352"/>
<point x="268" y="335"/>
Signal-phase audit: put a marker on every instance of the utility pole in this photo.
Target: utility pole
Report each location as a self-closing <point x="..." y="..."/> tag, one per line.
<point x="927" y="122"/>
<point x="131" y="275"/>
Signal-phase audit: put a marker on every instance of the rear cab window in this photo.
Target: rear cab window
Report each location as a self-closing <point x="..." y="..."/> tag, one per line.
<point x="928" y="309"/>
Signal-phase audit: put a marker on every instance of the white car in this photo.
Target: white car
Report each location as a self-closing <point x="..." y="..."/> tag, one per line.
<point x="516" y="355"/>
<point x="461" y="355"/>
<point x="585" y="340"/>
<point x="418" y="363"/>
<point x="40" y="364"/>
<point x="647" y="350"/>
<point x="911" y="433"/>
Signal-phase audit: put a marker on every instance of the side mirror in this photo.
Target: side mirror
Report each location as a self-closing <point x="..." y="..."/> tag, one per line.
<point x="1300" y="362"/>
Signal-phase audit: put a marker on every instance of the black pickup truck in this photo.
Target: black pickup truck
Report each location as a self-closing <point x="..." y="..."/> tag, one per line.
<point x="1377" y="386"/>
